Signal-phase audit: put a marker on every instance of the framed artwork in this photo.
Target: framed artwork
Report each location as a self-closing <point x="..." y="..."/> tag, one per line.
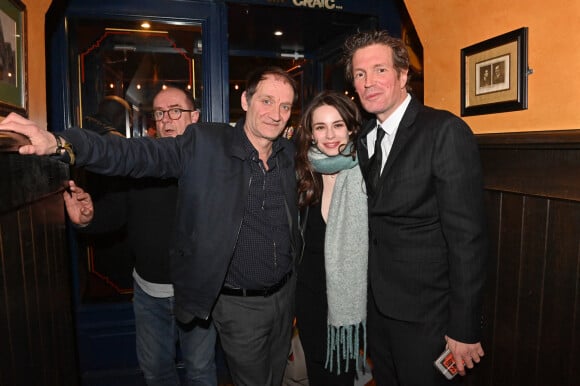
<point x="13" y="93"/>
<point x="494" y="74"/>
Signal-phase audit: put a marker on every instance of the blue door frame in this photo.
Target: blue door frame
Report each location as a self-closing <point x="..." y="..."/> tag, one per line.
<point x="106" y="331"/>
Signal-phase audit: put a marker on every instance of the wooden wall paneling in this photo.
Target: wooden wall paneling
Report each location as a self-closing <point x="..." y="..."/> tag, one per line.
<point x="549" y="176"/>
<point x="9" y="253"/>
<point x="60" y="305"/>
<point x="532" y="300"/>
<point x="51" y="276"/>
<point x="560" y="302"/>
<point x="29" y="348"/>
<point x="37" y="330"/>
<point x="530" y="289"/>
<point x="60" y="323"/>
<point x="531" y="303"/>
<point x="41" y="224"/>
<point x="509" y="254"/>
<point x="544" y="164"/>
<point x="574" y="373"/>
<point x="15" y="312"/>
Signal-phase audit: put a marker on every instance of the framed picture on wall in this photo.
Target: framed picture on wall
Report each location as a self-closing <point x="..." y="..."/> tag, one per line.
<point x="494" y="74"/>
<point x="13" y="93"/>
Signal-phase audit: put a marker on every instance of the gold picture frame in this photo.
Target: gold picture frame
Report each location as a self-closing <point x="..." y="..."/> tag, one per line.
<point x="13" y="93"/>
<point x="494" y="74"/>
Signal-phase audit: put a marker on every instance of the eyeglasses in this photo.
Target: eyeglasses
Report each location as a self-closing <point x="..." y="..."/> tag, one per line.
<point x="172" y="113"/>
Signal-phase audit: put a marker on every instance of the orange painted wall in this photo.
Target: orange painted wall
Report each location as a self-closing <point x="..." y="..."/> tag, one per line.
<point x="445" y="27"/>
<point x="35" y="12"/>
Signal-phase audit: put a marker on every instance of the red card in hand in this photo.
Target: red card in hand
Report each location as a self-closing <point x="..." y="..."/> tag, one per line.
<point x="446" y="364"/>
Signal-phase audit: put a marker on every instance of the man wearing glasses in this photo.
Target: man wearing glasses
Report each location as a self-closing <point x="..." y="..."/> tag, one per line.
<point x="147" y="208"/>
<point x="173" y="110"/>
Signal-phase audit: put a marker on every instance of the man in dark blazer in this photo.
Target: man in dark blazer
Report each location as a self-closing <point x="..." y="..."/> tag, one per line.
<point x="236" y="233"/>
<point x="428" y="244"/>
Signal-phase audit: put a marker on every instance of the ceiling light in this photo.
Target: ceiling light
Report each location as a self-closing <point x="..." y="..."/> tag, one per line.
<point x="295" y="55"/>
<point x="278" y="33"/>
<point x="124" y="47"/>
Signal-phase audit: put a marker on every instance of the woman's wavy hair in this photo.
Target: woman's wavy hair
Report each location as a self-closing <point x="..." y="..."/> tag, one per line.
<point x="310" y="182"/>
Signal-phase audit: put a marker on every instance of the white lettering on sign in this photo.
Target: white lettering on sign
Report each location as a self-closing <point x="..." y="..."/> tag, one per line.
<point x="328" y="4"/>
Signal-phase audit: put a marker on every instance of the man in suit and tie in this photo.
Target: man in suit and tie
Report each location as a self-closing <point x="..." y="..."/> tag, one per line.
<point x="428" y="242"/>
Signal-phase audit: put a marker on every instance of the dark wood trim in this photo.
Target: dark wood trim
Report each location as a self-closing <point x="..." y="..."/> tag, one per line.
<point x="26" y="179"/>
<point x="532" y="298"/>
<point x="532" y="139"/>
<point x="35" y="286"/>
<point x="544" y="164"/>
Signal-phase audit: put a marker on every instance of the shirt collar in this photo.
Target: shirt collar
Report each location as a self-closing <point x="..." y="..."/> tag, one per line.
<point x="391" y="124"/>
<point x="251" y="152"/>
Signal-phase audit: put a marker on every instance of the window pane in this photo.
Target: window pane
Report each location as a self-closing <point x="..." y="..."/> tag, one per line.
<point x="118" y="58"/>
<point x="118" y="68"/>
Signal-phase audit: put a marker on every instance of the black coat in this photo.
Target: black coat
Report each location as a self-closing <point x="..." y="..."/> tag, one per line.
<point x="214" y="175"/>
<point x="428" y="240"/>
<point x="144" y="209"/>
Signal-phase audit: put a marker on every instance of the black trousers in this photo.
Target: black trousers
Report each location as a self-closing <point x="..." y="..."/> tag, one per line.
<point x="255" y="334"/>
<point x="403" y="352"/>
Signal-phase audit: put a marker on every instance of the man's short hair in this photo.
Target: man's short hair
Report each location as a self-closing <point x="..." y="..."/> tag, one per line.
<point x="188" y="96"/>
<point x="260" y="74"/>
<point x="368" y="38"/>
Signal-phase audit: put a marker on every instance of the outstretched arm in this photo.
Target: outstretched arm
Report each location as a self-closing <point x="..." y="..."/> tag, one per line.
<point x="108" y="155"/>
<point x="79" y="205"/>
<point x="42" y="142"/>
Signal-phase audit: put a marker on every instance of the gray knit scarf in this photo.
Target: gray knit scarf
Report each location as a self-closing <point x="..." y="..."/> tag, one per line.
<point x="346" y="257"/>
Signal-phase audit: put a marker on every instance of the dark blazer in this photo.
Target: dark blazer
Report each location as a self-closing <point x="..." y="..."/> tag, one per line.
<point x="145" y="209"/>
<point x="428" y="242"/>
<point x="213" y="174"/>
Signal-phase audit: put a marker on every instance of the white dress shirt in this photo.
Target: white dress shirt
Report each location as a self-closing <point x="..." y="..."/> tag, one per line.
<point x="390" y="126"/>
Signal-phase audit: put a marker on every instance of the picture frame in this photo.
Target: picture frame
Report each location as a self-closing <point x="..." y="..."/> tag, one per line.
<point x="494" y="74"/>
<point x="13" y="68"/>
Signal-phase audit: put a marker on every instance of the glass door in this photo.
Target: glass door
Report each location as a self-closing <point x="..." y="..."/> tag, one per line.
<point x="117" y="67"/>
<point x="101" y="57"/>
<point x="306" y="42"/>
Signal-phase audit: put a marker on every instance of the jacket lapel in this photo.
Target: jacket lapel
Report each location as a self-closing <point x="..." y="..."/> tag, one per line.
<point x="404" y="134"/>
<point x="362" y="149"/>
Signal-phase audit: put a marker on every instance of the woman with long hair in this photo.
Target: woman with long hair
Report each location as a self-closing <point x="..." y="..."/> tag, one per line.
<point x="332" y="271"/>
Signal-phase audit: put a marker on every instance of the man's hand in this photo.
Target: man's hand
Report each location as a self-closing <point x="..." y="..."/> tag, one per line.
<point x="465" y="354"/>
<point x="79" y="205"/>
<point x="42" y="142"/>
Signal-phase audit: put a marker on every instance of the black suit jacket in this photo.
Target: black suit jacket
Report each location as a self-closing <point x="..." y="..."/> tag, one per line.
<point x="428" y="242"/>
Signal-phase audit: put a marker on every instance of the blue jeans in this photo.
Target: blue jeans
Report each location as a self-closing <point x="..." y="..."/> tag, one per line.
<point x="157" y="333"/>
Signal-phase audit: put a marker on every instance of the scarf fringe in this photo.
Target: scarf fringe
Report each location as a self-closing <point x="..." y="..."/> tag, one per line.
<point x="345" y="343"/>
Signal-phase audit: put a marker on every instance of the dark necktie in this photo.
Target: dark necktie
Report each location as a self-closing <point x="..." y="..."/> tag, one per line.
<point x="374" y="170"/>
